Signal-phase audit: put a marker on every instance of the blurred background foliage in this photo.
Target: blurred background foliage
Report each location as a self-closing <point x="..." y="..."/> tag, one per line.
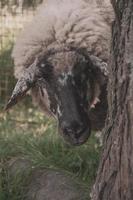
<point x="25" y="131"/>
<point x="20" y="3"/>
<point x="14" y="14"/>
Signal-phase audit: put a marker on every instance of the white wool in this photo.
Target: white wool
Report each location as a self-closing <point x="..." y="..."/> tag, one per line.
<point x="78" y="23"/>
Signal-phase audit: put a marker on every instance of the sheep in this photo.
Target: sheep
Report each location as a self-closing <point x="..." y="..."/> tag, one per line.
<point x="61" y="57"/>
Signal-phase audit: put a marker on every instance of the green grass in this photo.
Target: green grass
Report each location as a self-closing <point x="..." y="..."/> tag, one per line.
<point x="26" y="132"/>
<point x="7" y="79"/>
<point x="5" y="56"/>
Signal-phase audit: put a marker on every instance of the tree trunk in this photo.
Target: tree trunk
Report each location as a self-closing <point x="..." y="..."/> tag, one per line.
<point x="115" y="174"/>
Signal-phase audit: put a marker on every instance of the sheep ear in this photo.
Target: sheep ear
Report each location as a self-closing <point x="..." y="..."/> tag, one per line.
<point x="24" y="83"/>
<point x="100" y="69"/>
<point x="99" y="65"/>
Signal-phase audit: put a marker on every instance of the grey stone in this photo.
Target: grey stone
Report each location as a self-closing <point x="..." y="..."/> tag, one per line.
<point x="47" y="184"/>
<point x="55" y="185"/>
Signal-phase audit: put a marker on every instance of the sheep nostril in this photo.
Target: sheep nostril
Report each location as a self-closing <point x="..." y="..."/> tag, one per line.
<point x="67" y="131"/>
<point x="79" y="132"/>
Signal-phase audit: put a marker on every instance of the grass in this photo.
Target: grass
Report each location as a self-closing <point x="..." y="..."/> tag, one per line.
<point x="25" y="132"/>
<point x="7" y="79"/>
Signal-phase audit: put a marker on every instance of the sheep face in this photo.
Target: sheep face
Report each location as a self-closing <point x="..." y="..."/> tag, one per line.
<point x="66" y="84"/>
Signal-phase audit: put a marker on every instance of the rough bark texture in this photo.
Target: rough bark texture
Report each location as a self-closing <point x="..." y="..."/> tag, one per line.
<point x="115" y="175"/>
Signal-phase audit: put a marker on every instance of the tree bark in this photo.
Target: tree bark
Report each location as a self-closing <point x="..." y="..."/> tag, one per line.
<point x="115" y="174"/>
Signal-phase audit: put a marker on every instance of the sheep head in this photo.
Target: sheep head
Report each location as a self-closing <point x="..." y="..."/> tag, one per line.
<point x="67" y="80"/>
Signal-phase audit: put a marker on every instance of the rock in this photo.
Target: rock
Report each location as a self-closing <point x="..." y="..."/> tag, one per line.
<point x="55" y="185"/>
<point x="47" y="184"/>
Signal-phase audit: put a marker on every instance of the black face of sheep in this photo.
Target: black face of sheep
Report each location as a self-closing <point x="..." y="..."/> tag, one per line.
<point x="72" y="111"/>
<point x="67" y="92"/>
<point x="65" y="84"/>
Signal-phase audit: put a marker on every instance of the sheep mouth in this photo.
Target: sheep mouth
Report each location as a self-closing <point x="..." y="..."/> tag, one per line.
<point x="73" y="140"/>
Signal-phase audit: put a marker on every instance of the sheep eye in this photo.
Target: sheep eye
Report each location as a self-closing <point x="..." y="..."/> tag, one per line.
<point x="44" y="65"/>
<point x="46" y="70"/>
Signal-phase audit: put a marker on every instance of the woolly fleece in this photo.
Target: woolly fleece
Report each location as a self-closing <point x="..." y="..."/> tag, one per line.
<point x="75" y="23"/>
